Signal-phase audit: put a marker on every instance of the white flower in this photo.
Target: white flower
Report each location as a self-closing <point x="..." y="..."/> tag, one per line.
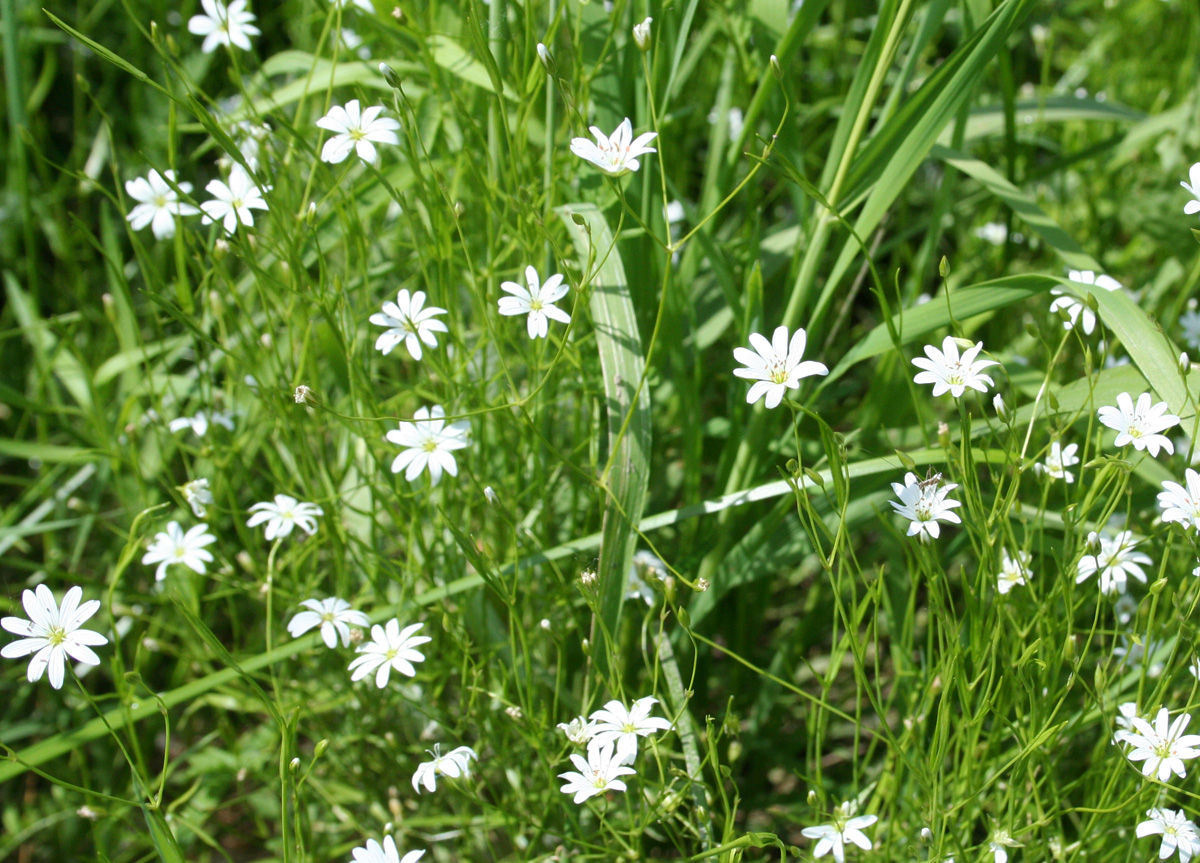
<point x="537" y="301"/>
<point x="234" y="202"/>
<point x="333" y="615"/>
<point x="1115" y="561"/>
<point x="53" y="633"/>
<point x="617" y="155"/>
<point x="948" y="372"/>
<point x="923" y="503"/>
<point x="833" y="837"/>
<point x="1189" y="321"/>
<point x="373" y="852"/>
<point x="1192" y="207"/>
<point x="283" y="514"/>
<point x="1057" y="462"/>
<point x="221" y="25"/>
<point x="1162" y="747"/>
<point x="616" y="724"/>
<point x="409" y="322"/>
<point x="390" y="647"/>
<point x="197" y="495"/>
<point x="1139" y="425"/>
<point x="1075" y="308"/>
<point x="1182" y="504"/>
<point x="175" y="546"/>
<point x="775" y="366"/>
<point x="199" y="423"/>
<point x="158" y="204"/>
<point x="999" y="844"/>
<point x="993" y="232"/>
<point x="579" y="730"/>
<point x="357" y="130"/>
<point x="454" y="764"/>
<point x="1013" y="571"/>
<point x="597" y="774"/>
<point x="1176" y="830"/>
<point x="641" y="34"/>
<point x="430" y="443"/>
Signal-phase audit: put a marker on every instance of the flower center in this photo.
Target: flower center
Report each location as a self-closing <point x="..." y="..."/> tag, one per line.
<point x="535" y="305"/>
<point x="160" y="201"/>
<point x="180" y="552"/>
<point x="356" y="134"/>
<point x="778" y="372"/>
<point x="629" y="728"/>
<point x="56" y="635"/>
<point x="430" y="445"/>
<point x="391" y="654"/>
<point x="327" y="617"/>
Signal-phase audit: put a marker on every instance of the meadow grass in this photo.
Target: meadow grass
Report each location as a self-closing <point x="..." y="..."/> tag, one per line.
<point x="622" y="523"/>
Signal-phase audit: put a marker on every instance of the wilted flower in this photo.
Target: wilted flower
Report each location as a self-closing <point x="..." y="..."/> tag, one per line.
<point x="579" y="730"/>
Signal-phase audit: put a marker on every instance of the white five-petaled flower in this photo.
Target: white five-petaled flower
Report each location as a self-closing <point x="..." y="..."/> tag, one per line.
<point x="999" y="844"/>
<point x="174" y="546"/>
<point x="1140" y="425"/>
<point x="222" y="25"/>
<point x="1115" y="561"/>
<point x="1193" y="206"/>
<point x="373" y="852"/>
<point x="199" y="423"/>
<point x="1163" y="747"/>
<point x="1057" y="462"/>
<point x="775" y="366"/>
<point x="537" y="301"/>
<point x="333" y="615"/>
<point x="833" y="837"/>
<point x="430" y="442"/>
<point x="158" y="204"/>
<point x="1177" y="832"/>
<point x="923" y="502"/>
<point x="284" y="513"/>
<point x="1182" y="504"/>
<point x="455" y="763"/>
<point x="1013" y="571"/>
<point x="356" y="130"/>
<point x="579" y="730"/>
<point x="1076" y="309"/>
<point x="390" y="647"/>
<point x="598" y="773"/>
<point x="197" y="495"/>
<point x="410" y="322"/>
<point x="53" y="633"/>
<point x="234" y="202"/>
<point x="615" y="724"/>
<point x="617" y="155"/>
<point x="949" y="372"/>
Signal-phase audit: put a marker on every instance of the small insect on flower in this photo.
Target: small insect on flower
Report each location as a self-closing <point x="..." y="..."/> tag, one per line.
<point x="390" y="647"/>
<point x="430" y="443"/>
<point x="1177" y="832"/>
<point x="53" y="633"/>
<point x="455" y="763"/>
<point x="537" y="301"/>
<point x="949" y="372"/>
<point x="284" y="513"/>
<point x="333" y="615"/>
<point x="598" y="773"/>
<point x="410" y="322"/>
<point x="158" y="203"/>
<point x="174" y="546"/>
<point x="617" y="155"/>
<point x="1058" y="460"/>
<point x="923" y="503"/>
<point x="1163" y="747"/>
<point x="1076" y="309"/>
<point x="1181" y="504"/>
<point x="1139" y="425"/>
<point x="844" y="829"/>
<point x="233" y="203"/>
<point x="373" y="852"/>
<point x="775" y="366"/>
<point x="356" y="130"/>
<point x="224" y="25"/>
<point x="1115" y="561"/>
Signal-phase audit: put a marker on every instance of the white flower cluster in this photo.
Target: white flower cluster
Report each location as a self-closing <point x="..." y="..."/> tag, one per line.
<point x="611" y="736"/>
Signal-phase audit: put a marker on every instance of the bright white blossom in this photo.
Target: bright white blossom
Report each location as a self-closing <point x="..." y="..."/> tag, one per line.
<point x="537" y="301"/>
<point x="198" y="496"/>
<point x="356" y="130"/>
<point x="1182" y="504"/>
<point x="1163" y="747"/>
<point x="1176" y="829"/>
<point x="158" y="204"/>
<point x="617" y="155"/>
<point x="598" y="773"/>
<point x="1115" y="561"/>
<point x="373" y="852"/>
<point x="410" y="322"/>
<point x="333" y="615"/>
<point x="579" y="730"/>
<point x="923" y="502"/>
<point x="1189" y="322"/>
<point x="53" y="633"/>
<point x="174" y="546"/>
<point x="199" y="423"/>
<point x="620" y="726"/>
<point x="1140" y="425"/>
<point x="1075" y="308"/>
<point x="844" y="829"/>
<point x="430" y="443"/>
<point x="1013" y="571"/>
<point x="949" y="372"/>
<point x="1059" y="459"/>
<point x="224" y="25"/>
<point x="455" y="763"/>
<point x="284" y="513"/>
<point x="1193" y="206"/>
<point x="775" y="366"/>
<point x="999" y="844"/>
<point x="233" y="202"/>
<point x="390" y="647"/>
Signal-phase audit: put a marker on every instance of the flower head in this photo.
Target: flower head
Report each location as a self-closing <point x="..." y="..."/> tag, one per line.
<point x="1193" y="206"/>
<point x="641" y="34"/>
<point x="617" y="155"/>
<point x="579" y="730"/>
<point x="199" y="423"/>
<point x="923" y="502"/>
<point x="1013" y="571"/>
<point x="949" y="372"/>
<point x="222" y="25"/>
<point x="333" y="615"/>
<point x="454" y="764"/>
<point x="284" y="513"/>
<point x="598" y="773"/>
<point x="198" y="496"/>
<point x="408" y="321"/>
<point x="174" y="546"/>
<point x="430" y="442"/>
<point x="53" y="633"/>
<point x="373" y="852"/>
<point x="158" y="203"/>
<point x="1182" y="504"/>
<point x="999" y="844"/>
<point x="833" y="837"/>
<point x="1057" y="462"/>
<point x="1076" y="309"/>
<point x="775" y="366"/>
<point x="1140" y="425"/>
<point x="356" y="130"/>
<point x="615" y="724"/>
<point x="537" y="301"/>
<point x="1115" y="561"/>
<point x="390" y="647"/>
<point x="1163" y="747"/>
<point x="1176" y="829"/>
<point x="234" y="202"/>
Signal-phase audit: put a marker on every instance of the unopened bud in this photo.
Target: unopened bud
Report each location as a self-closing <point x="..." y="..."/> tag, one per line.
<point x="943" y="434"/>
<point x="320" y="748"/>
<point x="310" y="215"/>
<point x="641" y="34"/>
<point x="294" y="765"/>
<point x="389" y="74"/>
<point x="812" y="795"/>
<point x="547" y="59"/>
<point x="1002" y="410"/>
<point x="776" y="69"/>
<point x="545" y="624"/>
<point x="302" y="395"/>
<point x="1185" y="363"/>
<point x="220" y="248"/>
<point x="944" y="267"/>
<point x="490" y="494"/>
<point x="926" y="835"/>
<point x="703" y="584"/>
